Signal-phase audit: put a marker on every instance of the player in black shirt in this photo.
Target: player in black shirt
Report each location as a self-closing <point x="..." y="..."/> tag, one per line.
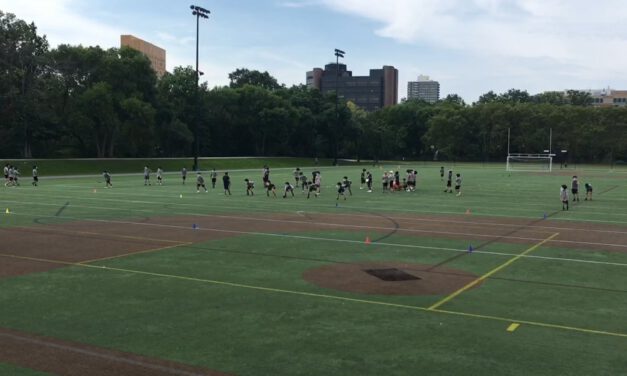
<point x="226" y="181"/>
<point x="270" y="187"/>
<point x="288" y="188"/>
<point x="340" y="190"/>
<point x="250" y="187"/>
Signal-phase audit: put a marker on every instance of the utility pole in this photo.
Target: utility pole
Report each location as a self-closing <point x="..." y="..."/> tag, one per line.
<point x="338" y="54"/>
<point x="199" y="12"/>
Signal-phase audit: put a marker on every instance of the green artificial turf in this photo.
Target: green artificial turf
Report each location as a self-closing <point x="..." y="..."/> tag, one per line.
<point x="240" y="304"/>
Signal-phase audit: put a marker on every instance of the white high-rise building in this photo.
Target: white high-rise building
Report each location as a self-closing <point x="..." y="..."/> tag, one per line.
<point x="424" y="88"/>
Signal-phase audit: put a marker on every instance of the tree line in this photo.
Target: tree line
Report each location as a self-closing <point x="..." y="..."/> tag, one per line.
<point x="76" y="101"/>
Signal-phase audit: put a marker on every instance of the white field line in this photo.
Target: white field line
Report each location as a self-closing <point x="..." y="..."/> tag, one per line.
<point x="362" y="227"/>
<point x="469" y="187"/>
<point x="467" y="198"/>
<point x="278" y="209"/>
<point x="324" y="206"/>
<point x="398" y="245"/>
<point x="388" y="207"/>
<point x="422" y="204"/>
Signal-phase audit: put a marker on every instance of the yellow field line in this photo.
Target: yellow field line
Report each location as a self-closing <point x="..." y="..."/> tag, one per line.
<point x="532" y="323"/>
<point x="335" y="297"/>
<point x="491" y="272"/>
<point x="513" y="326"/>
<point x="38" y="259"/>
<point x="134" y="253"/>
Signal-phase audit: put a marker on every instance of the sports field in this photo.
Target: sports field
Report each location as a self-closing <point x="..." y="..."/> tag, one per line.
<point x="161" y="280"/>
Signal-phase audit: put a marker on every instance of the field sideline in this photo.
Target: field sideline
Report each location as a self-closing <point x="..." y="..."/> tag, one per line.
<point x="149" y="280"/>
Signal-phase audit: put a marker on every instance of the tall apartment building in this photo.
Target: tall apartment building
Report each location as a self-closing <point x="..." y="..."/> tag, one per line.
<point x="424" y="89"/>
<point x="377" y="90"/>
<point x="155" y="54"/>
<point x="608" y="97"/>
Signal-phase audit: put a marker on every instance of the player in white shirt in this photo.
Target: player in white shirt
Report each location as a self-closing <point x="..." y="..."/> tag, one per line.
<point x="159" y="176"/>
<point x="146" y="175"/>
<point x="458" y="184"/>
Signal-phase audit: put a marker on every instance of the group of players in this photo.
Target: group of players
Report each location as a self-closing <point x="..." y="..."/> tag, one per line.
<point x="12" y="176"/>
<point x="312" y="187"/>
<point x="449" y="181"/>
<point x="574" y="189"/>
<point x="391" y="182"/>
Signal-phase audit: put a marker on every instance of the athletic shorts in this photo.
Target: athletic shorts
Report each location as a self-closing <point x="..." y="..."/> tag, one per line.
<point x="589" y="190"/>
<point x="35" y="178"/>
<point x="448" y="183"/>
<point x="363" y="181"/>
<point x="574" y="191"/>
<point x="457" y="187"/>
<point x="6" y="176"/>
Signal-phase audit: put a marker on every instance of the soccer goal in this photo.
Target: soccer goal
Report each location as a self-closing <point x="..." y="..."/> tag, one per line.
<point x="530" y="162"/>
<point x="542" y="162"/>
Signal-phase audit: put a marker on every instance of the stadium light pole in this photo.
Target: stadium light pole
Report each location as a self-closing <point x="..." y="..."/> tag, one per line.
<point x="199" y="12"/>
<point x="338" y="54"/>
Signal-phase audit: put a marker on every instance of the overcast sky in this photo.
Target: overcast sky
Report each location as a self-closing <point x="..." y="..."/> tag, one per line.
<point x="469" y="46"/>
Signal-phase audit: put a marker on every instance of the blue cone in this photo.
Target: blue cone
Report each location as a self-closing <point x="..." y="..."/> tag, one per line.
<point x="470" y="249"/>
<point x="545" y="215"/>
<point x="194" y="226"/>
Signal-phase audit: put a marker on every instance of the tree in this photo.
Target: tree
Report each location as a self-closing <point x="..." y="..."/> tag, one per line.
<point x="179" y="108"/>
<point x="579" y="98"/>
<point x="22" y="60"/>
<point x="550" y="97"/>
<point x="454" y="135"/>
<point x="242" y="76"/>
<point x="488" y="97"/>
<point x="515" y="96"/>
<point x="94" y="121"/>
<point x="119" y="84"/>
<point x="453" y="99"/>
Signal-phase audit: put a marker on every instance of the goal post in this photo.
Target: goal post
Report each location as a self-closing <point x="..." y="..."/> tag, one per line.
<point x="530" y="162"/>
<point x="540" y="162"/>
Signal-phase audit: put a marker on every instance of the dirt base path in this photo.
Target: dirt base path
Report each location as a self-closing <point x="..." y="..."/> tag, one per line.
<point x="78" y="359"/>
<point x="389" y="278"/>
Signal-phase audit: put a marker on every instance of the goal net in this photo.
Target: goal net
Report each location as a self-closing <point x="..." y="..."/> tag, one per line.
<point x="530" y="162"/>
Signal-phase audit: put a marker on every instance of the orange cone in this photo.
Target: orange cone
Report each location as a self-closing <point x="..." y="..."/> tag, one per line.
<point x="467" y="211"/>
<point x="367" y="240"/>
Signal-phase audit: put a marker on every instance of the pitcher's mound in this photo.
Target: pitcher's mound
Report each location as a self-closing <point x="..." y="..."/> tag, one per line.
<point x="389" y="278"/>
